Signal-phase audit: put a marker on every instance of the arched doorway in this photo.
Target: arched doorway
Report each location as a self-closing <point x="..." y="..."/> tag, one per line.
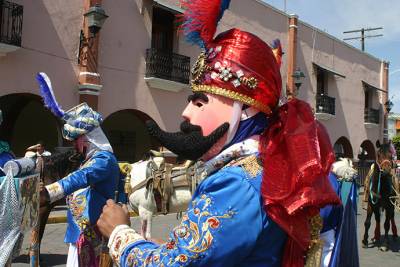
<point x="342" y="148"/>
<point x="26" y="121"/>
<point x="367" y="151"/>
<point x="127" y="133"/>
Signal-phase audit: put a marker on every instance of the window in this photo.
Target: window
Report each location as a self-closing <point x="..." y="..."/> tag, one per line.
<point x="321" y="82"/>
<point x="163" y="30"/>
<point x="367" y="98"/>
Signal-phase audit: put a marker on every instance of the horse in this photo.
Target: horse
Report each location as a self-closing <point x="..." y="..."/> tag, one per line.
<point x="159" y="187"/>
<point x="378" y="191"/>
<point x="344" y="170"/>
<point x="51" y="168"/>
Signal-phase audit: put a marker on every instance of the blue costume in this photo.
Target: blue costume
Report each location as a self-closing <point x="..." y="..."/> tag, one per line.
<point x="332" y="215"/>
<point x="5" y="155"/>
<point x="98" y="178"/>
<point x="224" y="225"/>
<point x="88" y="188"/>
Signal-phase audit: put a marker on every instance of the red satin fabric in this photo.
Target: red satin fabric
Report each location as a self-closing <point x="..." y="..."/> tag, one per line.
<point x="244" y="51"/>
<point x="297" y="156"/>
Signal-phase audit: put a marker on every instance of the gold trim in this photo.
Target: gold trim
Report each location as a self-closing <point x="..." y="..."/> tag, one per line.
<point x="314" y="253"/>
<point x="232" y="95"/>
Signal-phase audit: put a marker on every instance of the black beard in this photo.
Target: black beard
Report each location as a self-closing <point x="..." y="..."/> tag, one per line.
<point x="189" y="143"/>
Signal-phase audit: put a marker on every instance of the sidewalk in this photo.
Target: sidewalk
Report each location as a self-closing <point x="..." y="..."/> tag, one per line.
<point x="59" y="215"/>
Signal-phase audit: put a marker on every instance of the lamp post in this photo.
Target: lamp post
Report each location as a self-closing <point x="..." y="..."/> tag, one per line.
<point x="89" y="85"/>
<point x="298" y="77"/>
<point x="388" y="106"/>
<point x="95" y="18"/>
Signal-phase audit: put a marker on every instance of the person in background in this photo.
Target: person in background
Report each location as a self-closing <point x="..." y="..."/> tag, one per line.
<point x="38" y="150"/>
<point x="5" y="151"/>
<point x="87" y="188"/>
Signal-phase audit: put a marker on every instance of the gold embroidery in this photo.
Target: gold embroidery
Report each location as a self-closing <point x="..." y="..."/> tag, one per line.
<point x="314" y="252"/>
<point x="232" y="95"/>
<point x="251" y="164"/>
<point x="54" y="188"/>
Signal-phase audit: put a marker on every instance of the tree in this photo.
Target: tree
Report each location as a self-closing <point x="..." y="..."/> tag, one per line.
<point x="396" y="143"/>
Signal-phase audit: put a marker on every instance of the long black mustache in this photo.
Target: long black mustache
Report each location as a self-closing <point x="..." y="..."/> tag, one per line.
<point x="189" y="143"/>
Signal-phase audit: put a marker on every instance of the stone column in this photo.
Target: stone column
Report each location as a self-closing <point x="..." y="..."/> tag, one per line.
<point x="385" y="98"/>
<point x="291" y="56"/>
<point x="89" y="86"/>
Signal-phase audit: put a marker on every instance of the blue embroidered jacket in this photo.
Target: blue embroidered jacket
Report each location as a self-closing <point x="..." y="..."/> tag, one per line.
<point x="224" y="225"/>
<point x="87" y="191"/>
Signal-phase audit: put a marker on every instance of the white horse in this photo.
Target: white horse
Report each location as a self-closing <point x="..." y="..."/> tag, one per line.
<point x="343" y="169"/>
<point x="142" y="199"/>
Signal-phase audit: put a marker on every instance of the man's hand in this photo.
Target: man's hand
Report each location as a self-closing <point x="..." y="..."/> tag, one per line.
<point x="112" y="216"/>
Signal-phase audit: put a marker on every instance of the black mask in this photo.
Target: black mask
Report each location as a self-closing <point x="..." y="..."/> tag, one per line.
<point x="189" y="143"/>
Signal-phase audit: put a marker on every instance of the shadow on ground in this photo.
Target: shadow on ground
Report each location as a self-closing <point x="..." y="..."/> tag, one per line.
<point x="45" y="259"/>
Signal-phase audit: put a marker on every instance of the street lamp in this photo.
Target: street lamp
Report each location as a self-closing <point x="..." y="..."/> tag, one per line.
<point x="298" y="76"/>
<point x="388" y="105"/>
<point x="95" y="18"/>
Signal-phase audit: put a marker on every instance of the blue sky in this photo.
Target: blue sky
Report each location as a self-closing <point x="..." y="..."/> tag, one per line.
<point x="337" y="16"/>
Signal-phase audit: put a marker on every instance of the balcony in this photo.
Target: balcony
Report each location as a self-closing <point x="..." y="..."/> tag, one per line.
<point x="325" y="107"/>
<point x="371" y="117"/>
<point x="167" y="71"/>
<point x="11" y="16"/>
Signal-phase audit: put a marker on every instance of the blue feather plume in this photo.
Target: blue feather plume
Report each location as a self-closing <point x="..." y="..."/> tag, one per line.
<point x="201" y="18"/>
<point x="47" y="94"/>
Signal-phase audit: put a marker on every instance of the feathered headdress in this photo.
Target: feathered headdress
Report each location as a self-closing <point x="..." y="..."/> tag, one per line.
<point x="48" y="96"/>
<point x="79" y="120"/>
<point x="201" y="18"/>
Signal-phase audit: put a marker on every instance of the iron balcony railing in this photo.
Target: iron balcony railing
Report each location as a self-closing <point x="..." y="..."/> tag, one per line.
<point x="168" y="66"/>
<point x="11" y="16"/>
<point x="371" y="115"/>
<point x="325" y="104"/>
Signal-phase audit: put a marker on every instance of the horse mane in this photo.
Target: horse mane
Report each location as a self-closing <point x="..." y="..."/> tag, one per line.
<point x="59" y="164"/>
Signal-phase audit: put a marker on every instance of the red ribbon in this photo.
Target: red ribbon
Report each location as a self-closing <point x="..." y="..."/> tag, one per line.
<point x="297" y="156"/>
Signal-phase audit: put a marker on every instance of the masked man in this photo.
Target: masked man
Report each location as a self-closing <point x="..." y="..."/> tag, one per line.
<point x="88" y="188"/>
<point x="265" y="170"/>
<point x="5" y="152"/>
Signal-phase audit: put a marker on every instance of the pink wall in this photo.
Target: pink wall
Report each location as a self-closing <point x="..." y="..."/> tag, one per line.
<point x="50" y="40"/>
<point x="51" y="37"/>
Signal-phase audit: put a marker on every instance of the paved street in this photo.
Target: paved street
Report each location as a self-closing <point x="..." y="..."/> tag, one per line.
<point x="54" y="250"/>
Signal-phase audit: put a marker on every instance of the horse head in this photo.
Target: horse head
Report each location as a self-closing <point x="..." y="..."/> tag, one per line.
<point x="57" y="166"/>
<point x="384" y="157"/>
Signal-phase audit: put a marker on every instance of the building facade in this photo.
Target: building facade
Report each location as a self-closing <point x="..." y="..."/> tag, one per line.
<point x="137" y="67"/>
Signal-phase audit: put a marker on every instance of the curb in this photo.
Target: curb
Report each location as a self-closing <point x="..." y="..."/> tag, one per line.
<point x="63" y="218"/>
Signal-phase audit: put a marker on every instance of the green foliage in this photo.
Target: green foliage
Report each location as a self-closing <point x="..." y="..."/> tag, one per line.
<point x="396" y="143"/>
